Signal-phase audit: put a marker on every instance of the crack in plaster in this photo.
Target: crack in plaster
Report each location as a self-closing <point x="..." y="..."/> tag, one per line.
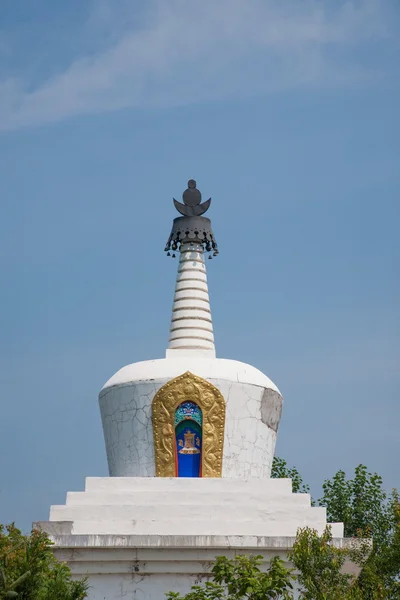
<point x="126" y="415"/>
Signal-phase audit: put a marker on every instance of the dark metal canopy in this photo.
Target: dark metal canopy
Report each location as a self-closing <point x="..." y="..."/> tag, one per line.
<point x="192" y="227"/>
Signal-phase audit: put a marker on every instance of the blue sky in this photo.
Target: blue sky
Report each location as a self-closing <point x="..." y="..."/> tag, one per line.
<point x="286" y="113"/>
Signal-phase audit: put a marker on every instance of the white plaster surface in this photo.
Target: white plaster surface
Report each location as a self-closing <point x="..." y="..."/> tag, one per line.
<point x="136" y="569"/>
<point x="125" y="404"/>
<point x="137" y="538"/>
<point x="135" y="572"/>
<point x="168" y="368"/>
<point x="147" y="573"/>
<point x="189" y="506"/>
<point x="191" y="322"/>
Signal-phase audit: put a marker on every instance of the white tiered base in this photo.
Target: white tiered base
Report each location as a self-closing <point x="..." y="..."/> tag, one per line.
<point x="189" y="506"/>
<point x="141" y="537"/>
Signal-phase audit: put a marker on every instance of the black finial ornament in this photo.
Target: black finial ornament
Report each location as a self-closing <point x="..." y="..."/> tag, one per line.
<point x="192" y="227"/>
<point x="192" y="206"/>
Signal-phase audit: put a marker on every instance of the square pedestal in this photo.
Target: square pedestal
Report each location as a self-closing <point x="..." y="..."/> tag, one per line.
<point x="138" y="538"/>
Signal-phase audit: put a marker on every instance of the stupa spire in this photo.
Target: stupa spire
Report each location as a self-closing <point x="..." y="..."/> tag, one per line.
<point x="191" y="328"/>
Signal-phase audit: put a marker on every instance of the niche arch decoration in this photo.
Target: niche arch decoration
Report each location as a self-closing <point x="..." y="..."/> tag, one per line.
<point x="184" y="390"/>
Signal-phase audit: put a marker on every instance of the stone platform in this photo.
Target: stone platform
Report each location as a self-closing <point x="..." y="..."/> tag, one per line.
<point x="186" y="506"/>
<point x="137" y="538"/>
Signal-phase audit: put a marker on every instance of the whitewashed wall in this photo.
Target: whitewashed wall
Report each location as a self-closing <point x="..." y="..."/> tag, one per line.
<point x="137" y="586"/>
<point x="253" y="408"/>
<point x="149" y="573"/>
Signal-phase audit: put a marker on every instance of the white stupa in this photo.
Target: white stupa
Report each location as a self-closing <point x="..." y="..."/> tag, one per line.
<point x="190" y="440"/>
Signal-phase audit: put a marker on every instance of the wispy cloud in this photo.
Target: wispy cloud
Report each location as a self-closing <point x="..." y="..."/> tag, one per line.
<point x="190" y="51"/>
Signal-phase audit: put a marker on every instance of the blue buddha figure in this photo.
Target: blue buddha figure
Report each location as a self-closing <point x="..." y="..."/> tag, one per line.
<point x="188" y="434"/>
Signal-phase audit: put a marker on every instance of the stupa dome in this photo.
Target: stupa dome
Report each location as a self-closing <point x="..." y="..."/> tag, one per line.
<point x="220" y="368"/>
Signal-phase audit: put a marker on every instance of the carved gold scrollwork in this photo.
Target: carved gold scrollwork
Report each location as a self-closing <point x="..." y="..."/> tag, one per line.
<point x="210" y="400"/>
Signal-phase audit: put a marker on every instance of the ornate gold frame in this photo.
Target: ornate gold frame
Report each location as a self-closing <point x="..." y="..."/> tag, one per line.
<point x="212" y="404"/>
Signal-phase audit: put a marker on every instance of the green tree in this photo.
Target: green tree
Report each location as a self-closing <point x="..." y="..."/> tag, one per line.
<point x="242" y="579"/>
<point x="29" y="570"/>
<point x="371" y="518"/>
<point x="281" y="470"/>
<point x="360" y="503"/>
<point x="367" y="511"/>
<point x="321" y="566"/>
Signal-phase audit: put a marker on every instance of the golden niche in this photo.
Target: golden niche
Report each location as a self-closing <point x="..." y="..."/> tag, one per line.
<point x="188" y="387"/>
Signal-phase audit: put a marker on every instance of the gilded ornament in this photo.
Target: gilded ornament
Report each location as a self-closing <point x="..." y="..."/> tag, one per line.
<point x="188" y="387"/>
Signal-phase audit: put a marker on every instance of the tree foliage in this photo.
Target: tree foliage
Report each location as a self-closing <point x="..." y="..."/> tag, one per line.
<point x="321" y="566"/>
<point x="29" y="570"/>
<point x="360" y="503"/>
<point x="241" y="578"/>
<point x="371" y="519"/>
<point x="281" y="470"/>
<point x="367" y="511"/>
